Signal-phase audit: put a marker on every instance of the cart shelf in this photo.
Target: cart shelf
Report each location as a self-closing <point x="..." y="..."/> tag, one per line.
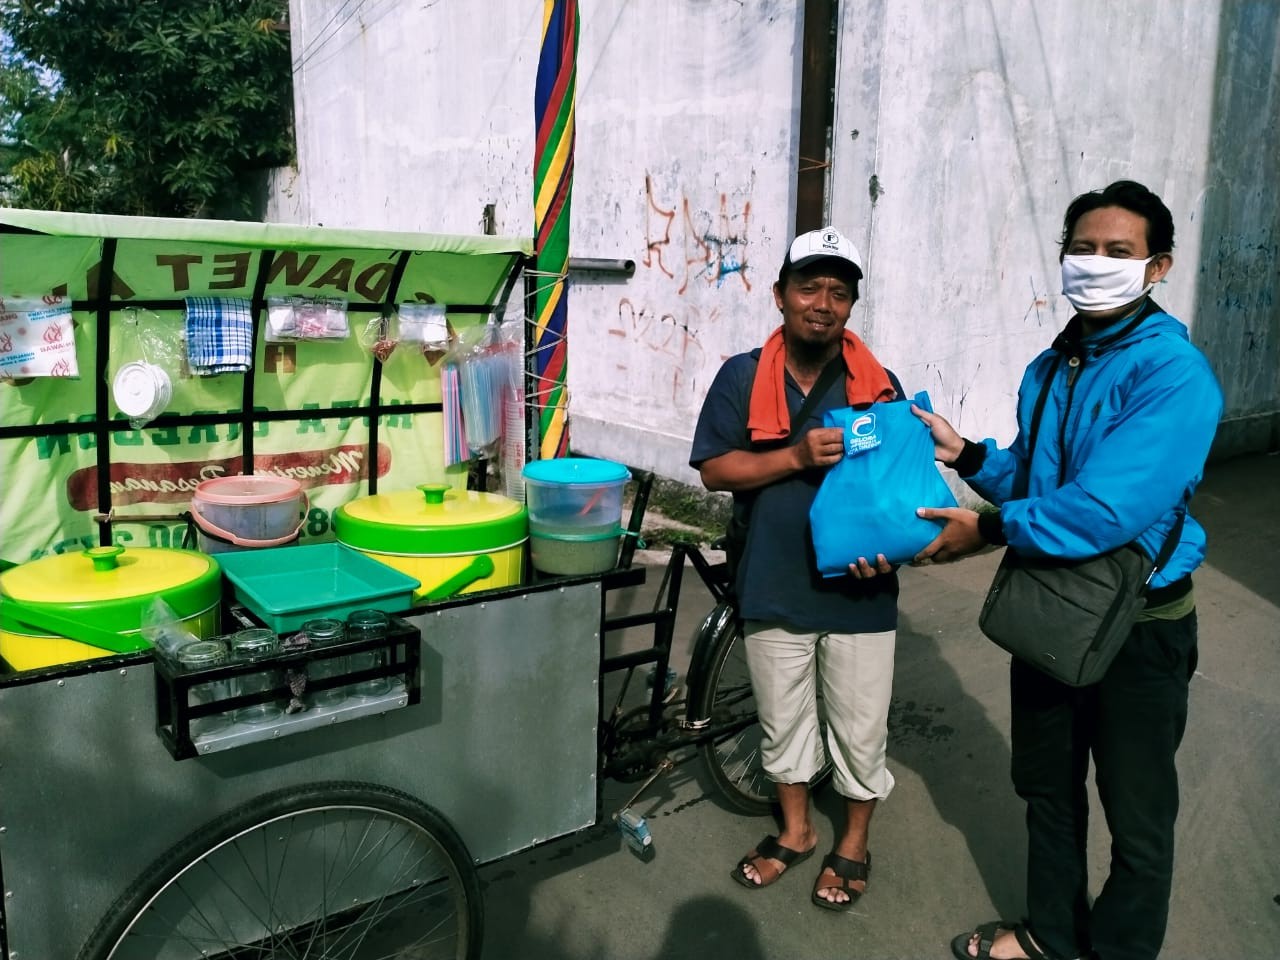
<point x="185" y="697"/>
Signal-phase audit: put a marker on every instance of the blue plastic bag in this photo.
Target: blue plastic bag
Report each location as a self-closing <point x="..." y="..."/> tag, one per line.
<point x="867" y="502"/>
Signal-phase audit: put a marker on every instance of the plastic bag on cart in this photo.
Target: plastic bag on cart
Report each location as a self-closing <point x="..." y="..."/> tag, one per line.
<point x="164" y="630"/>
<point x="150" y="358"/>
<point x="483" y="378"/>
<point x="381" y="335"/>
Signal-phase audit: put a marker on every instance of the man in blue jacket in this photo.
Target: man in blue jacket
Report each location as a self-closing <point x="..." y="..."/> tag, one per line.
<point x="1129" y="414"/>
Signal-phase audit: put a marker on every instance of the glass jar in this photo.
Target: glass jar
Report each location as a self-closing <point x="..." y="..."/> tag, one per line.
<point x="249" y="645"/>
<point x="200" y="655"/>
<point x="369" y="625"/>
<point x="323" y="632"/>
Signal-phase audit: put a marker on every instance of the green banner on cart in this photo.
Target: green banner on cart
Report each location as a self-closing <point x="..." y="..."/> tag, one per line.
<point x="54" y="490"/>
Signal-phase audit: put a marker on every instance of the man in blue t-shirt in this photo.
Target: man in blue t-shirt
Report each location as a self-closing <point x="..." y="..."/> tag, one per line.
<point x="760" y="437"/>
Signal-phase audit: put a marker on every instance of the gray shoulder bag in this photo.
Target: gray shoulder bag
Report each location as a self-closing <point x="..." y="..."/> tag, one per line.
<point x="1069" y="618"/>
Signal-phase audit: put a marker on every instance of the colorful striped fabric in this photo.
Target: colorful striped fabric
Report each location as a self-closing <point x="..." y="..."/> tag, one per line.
<point x="552" y="184"/>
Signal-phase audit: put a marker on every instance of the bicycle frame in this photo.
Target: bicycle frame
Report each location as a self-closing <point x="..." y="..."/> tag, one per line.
<point x="622" y="749"/>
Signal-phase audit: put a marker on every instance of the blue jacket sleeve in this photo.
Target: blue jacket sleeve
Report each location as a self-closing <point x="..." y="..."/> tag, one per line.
<point x="1126" y="471"/>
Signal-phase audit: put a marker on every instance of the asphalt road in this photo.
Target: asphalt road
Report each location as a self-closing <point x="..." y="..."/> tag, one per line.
<point x="949" y="846"/>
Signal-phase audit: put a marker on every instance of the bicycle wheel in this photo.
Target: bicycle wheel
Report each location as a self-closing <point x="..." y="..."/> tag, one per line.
<point x="340" y="871"/>
<point x="732" y="758"/>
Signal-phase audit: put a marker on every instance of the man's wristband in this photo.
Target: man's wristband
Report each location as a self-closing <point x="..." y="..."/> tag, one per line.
<point x="971" y="458"/>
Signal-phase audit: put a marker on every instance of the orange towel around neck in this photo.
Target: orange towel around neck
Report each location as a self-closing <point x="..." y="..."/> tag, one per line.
<point x="768" y="417"/>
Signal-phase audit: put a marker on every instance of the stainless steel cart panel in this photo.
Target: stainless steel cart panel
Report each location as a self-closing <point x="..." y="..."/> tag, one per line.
<point x="503" y="744"/>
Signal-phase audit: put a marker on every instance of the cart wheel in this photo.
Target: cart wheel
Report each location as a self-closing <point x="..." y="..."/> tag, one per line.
<point x="733" y="759"/>
<point x="343" y="871"/>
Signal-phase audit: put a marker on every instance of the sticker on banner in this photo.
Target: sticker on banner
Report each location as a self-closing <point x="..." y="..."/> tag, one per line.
<point x="862" y="434"/>
<point x="36" y="340"/>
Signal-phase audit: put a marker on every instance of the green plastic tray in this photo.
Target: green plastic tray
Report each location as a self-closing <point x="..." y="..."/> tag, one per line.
<point x="286" y="586"/>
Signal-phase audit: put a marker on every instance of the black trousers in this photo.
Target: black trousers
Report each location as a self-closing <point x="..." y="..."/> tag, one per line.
<point x="1131" y="723"/>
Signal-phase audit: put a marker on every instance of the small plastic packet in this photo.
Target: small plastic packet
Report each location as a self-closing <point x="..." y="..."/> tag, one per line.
<point x="37" y="339"/>
<point x="425" y="324"/>
<point x="381" y="336"/>
<point x="290" y="319"/>
<point x="164" y="629"/>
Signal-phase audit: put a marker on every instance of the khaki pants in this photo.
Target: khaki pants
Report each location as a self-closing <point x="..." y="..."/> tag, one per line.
<point x="856" y="671"/>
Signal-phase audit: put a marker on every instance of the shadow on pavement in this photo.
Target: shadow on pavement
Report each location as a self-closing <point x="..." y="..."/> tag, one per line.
<point x="946" y="736"/>
<point x="1236" y="501"/>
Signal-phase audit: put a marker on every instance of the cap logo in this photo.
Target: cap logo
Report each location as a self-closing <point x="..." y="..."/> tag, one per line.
<point x="819" y="244"/>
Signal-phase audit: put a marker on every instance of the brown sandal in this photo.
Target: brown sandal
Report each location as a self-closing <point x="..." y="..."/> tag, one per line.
<point x="769" y="849"/>
<point x="847" y="872"/>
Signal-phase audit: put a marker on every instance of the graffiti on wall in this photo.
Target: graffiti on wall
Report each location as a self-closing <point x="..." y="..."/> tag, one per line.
<point x="709" y="247"/>
<point x="670" y="344"/>
<point x="696" y="254"/>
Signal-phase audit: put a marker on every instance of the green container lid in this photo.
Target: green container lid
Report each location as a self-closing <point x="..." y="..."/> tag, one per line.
<point x="99" y="594"/>
<point x="432" y="520"/>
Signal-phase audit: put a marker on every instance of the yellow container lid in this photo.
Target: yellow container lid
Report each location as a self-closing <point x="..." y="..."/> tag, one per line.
<point x="432" y="519"/>
<point x="108" y="587"/>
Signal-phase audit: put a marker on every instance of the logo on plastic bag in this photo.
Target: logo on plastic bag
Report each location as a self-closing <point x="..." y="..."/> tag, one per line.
<point x="862" y="434"/>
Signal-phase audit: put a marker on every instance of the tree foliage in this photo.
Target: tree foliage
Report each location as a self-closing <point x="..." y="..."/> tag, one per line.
<point x="145" y="107"/>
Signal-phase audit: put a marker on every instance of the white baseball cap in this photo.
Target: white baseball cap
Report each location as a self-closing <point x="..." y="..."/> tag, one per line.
<point x="827" y="243"/>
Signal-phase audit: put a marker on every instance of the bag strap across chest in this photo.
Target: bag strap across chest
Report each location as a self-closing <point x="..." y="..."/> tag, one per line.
<point x="1037" y="414"/>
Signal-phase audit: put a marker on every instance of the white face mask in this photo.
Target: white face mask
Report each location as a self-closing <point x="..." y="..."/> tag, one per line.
<point x="1103" y="283"/>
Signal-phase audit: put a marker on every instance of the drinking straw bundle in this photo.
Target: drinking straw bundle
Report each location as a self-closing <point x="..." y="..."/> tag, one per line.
<point x="455" y="436"/>
<point x="484" y="375"/>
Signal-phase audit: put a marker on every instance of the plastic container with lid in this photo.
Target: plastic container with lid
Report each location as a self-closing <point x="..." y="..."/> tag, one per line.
<point x="575" y="514"/>
<point x="248" y="512"/>
<point x="77" y="606"/>
<point x="141" y="390"/>
<point x="453" y="541"/>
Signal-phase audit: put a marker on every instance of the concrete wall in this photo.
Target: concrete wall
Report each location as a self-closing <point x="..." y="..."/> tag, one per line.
<point x="961" y="132"/>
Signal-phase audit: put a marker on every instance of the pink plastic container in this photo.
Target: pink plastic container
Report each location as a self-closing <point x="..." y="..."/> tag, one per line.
<point x="246" y="512"/>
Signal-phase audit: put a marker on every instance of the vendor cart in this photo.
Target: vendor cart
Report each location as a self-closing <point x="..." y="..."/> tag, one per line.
<point x="347" y="826"/>
<point x="118" y="835"/>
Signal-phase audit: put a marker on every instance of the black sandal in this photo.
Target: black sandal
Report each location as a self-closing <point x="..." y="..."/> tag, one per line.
<point x="846" y="873"/>
<point x="987" y="934"/>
